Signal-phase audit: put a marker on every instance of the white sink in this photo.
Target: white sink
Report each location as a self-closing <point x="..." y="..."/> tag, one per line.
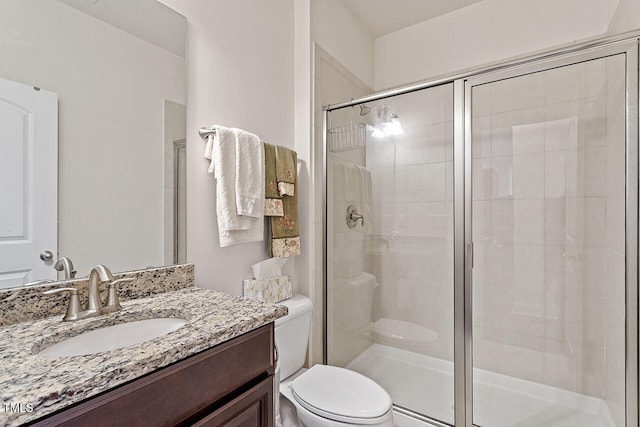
<point x="113" y="337"/>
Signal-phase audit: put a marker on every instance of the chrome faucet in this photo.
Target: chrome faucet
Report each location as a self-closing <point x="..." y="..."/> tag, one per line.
<point x="65" y="265"/>
<point x="99" y="274"/>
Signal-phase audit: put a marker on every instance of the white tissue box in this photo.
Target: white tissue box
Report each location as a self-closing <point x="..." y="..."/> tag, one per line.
<point x="270" y="290"/>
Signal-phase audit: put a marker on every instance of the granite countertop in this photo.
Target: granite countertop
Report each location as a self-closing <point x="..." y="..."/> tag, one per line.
<point x="36" y="386"/>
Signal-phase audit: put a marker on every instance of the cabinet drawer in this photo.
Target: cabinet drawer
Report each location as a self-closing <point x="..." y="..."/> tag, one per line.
<point x="177" y="392"/>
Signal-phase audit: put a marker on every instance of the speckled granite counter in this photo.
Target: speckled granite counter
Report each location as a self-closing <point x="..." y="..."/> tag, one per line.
<point x="27" y="303"/>
<point x="44" y="385"/>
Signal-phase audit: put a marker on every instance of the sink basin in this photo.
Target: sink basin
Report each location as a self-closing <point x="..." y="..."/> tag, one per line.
<point x="113" y="337"/>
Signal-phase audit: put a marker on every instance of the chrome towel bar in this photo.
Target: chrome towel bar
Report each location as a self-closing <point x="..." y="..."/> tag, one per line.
<point x="205" y="132"/>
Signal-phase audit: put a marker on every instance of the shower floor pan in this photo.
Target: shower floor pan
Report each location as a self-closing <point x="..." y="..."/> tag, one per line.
<point x="424" y="384"/>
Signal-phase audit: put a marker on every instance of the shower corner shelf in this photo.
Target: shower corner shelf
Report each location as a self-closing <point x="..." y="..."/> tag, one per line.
<point x="352" y="136"/>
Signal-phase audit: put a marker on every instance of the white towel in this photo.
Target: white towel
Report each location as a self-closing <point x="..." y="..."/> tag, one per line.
<point x="224" y="169"/>
<point x="232" y="228"/>
<point x="249" y="175"/>
<point x="208" y="152"/>
<point x="352" y="186"/>
<point x="366" y="198"/>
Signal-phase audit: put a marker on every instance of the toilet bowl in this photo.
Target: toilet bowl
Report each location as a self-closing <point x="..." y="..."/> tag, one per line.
<point x="332" y="396"/>
<point x="323" y="395"/>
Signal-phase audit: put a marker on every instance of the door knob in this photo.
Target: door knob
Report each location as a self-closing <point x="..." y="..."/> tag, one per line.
<point x="46" y="256"/>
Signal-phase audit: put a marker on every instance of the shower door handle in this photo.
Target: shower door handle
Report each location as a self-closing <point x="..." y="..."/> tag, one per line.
<point x="469" y="255"/>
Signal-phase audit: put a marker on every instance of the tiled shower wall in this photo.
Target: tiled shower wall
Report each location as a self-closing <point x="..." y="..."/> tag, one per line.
<point x="413" y="218"/>
<point x="333" y="83"/>
<point x="548" y="190"/>
<point x="407" y="241"/>
<point x="351" y="285"/>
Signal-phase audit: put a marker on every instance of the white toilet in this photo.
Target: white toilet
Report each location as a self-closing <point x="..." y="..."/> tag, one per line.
<point x="322" y="395"/>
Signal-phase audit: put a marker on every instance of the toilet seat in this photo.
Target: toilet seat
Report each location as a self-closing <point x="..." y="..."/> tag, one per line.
<point x="342" y="395"/>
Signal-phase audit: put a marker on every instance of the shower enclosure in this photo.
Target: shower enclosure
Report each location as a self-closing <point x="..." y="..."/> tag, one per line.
<point x="481" y="242"/>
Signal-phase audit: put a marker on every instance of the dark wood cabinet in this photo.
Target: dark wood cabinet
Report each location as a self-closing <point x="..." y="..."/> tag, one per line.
<point x="251" y="409"/>
<point x="228" y="385"/>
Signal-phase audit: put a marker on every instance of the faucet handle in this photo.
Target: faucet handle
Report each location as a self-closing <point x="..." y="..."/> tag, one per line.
<point x="73" y="309"/>
<point x="113" y="302"/>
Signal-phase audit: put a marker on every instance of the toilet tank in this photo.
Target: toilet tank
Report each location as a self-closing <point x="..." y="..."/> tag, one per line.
<point x="292" y="334"/>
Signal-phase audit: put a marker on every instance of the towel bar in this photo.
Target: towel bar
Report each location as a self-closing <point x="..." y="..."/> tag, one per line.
<point x="204" y="132"/>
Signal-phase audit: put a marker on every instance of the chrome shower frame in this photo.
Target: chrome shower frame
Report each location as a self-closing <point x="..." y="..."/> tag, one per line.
<point x="628" y="44"/>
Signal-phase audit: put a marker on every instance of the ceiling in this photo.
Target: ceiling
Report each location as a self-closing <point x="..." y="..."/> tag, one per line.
<point x="147" y="19"/>
<point x="379" y="17"/>
<point x="382" y="17"/>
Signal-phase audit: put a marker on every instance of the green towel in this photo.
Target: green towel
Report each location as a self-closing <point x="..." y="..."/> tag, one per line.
<point x="286" y="166"/>
<point x="285" y="235"/>
<point x="273" y="200"/>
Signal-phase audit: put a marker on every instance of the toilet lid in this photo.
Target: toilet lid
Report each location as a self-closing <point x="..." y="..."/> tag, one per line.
<point x="341" y="395"/>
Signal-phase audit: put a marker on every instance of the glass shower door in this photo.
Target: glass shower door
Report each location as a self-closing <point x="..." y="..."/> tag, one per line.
<point x="390" y="273"/>
<point x="548" y="228"/>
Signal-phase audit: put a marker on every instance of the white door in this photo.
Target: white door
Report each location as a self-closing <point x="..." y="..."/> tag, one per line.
<point x="28" y="183"/>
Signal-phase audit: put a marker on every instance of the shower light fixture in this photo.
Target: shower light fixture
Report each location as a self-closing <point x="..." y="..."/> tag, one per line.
<point x="389" y="127"/>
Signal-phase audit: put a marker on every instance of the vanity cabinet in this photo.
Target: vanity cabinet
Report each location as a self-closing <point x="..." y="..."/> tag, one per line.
<point x="229" y="384"/>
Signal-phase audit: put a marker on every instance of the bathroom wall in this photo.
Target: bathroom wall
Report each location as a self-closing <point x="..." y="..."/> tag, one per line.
<point x="262" y="79"/>
<point x="626" y="16"/>
<point x="612" y="10"/>
<point x="240" y="66"/>
<point x="481" y="33"/>
<point x="341" y="35"/>
<point x="303" y="136"/>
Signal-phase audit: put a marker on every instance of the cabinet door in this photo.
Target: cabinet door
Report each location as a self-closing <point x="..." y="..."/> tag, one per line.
<point x="253" y="408"/>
